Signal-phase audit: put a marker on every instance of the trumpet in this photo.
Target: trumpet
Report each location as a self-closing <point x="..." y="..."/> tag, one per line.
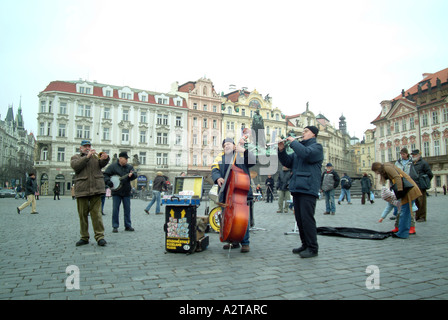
<point x="283" y="140"/>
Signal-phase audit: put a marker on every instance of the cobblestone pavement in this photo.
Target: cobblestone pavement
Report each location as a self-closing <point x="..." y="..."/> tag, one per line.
<point x="37" y="249"/>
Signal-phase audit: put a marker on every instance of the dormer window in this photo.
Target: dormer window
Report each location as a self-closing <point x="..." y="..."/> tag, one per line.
<point x="143" y="96"/>
<point x="108" y="92"/>
<point x="84" y="88"/>
<point x="177" y="101"/>
<point x="162" y="99"/>
<point x="126" y="93"/>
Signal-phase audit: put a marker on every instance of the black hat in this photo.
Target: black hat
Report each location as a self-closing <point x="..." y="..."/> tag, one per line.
<point x="123" y="155"/>
<point x="414" y="152"/>
<point x="313" y="129"/>
<point x="227" y="140"/>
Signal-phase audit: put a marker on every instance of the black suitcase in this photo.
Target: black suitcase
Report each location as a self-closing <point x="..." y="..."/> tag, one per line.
<point x="180" y="228"/>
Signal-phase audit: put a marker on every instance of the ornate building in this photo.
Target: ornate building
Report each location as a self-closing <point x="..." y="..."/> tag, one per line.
<point x="150" y="126"/>
<point x="417" y="119"/>
<point x="16" y="149"/>
<point x="204" y="137"/>
<point x="364" y="153"/>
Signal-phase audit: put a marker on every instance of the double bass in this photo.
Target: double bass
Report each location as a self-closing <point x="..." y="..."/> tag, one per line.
<point x="235" y="216"/>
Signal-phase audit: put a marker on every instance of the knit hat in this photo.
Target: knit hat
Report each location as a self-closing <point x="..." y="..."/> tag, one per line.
<point x="227" y="140"/>
<point x="313" y="129"/>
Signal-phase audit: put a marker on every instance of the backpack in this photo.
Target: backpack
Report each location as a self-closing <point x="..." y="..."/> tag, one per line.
<point x="347" y="183"/>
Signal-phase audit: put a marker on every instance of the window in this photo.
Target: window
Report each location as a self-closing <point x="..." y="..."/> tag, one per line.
<point x="63" y="108"/>
<point x="426" y="149"/>
<point x="79" y="131"/>
<point x="125" y="136"/>
<point x="142" y="157"/>
<point x="397" y="153"/>
<point x="411" y="123"/>
<point x="435" y="117"/>
<point x="125" y="116"/>
<point x="42" y="128"/>
<point x="389" y="154"/>
<point x="205" y="107"/>
<point x="159" y="119"/>
<point x="61" y="154"/>
<point x="143" y="117"/>
<point x="61" y="132"/>
<point x="396" y="127"/>
<point x="229" y="110"/>
<point x="43" y="106"/>
<point x="106" y="134"/>
<point x="204" y="160"/>
<point x="215" y="109"/>
<point x="445" y="115"/>
<point x="108" y="93"/>
<point x="195" y="122"/>
<point x="86" y="132"/>
<point x="205" y="123"/>
<point x="178" y="121"/>
<point x="215" y="124"/>
<point x="83" y="110"/>
<point x="403" y="125"/>
<point x="165" y="120"/>
<point x="162" y="159"/>
<point x="215" y="141"/>
<point x="195" y="139"/>
<point x="195" y="106"/>
<point x="424" y="120"/>
<point x="204" y="141"/>
<point x="178" y="139"/>
<point x="44" y="154"/>
<point x="243" y="112"/>
<point x="178" y="160"/>
<point x="195" y="160"/>
<point x="142" y="136"/>
<point x="162" y="138"/>
<point x="106" y="113"/>
<point x="436" y="148"/>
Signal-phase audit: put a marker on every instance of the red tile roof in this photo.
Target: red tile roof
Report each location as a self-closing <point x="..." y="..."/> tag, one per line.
<point x="70" y="87"/>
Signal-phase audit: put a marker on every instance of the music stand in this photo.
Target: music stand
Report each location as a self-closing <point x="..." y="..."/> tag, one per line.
<point x="251" y="208"/>
<point x="294" y="231"/>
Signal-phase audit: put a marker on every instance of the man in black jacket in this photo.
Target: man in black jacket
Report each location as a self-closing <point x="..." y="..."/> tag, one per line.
<point x="423" y="181"/>
<point x="30" y="190"/>
<point x="126" y="173"/>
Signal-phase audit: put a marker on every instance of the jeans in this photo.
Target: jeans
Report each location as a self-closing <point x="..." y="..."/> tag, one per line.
<point x="116" y="202"/>
<point x="405" y="221"/>
<point x="345" y="192"/>
<point x="155" y="197"/>
<point x="329" y="201"/>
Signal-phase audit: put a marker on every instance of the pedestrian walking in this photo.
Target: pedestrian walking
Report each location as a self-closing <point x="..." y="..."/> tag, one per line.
<point x="158" y="185"/>
<point x="366" y="185"/>
<point x="269" y="188"/>
<point x="346" y="184"/>
<point x="30" y="194"/>
<point x="56" y="191"/>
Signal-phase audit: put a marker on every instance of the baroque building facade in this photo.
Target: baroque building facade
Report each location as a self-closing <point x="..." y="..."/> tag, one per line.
<point x="417" y="119"/>
<point x="150" y="126"/>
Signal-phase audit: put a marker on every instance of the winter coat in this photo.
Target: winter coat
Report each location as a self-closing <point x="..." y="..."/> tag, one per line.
<point x="306" y="165"/>
<point x="366" y="184"/>
<point x="159" y="183"/>
<point x="422" y="167"/>
<point x="393" y="174"/>
<point x="117" y="169"/>
<point x="88" y="178"/>
<point x="30" y="186"/>
<point x="269" y="185"/>
<point x="346" y="182"/>
<point x="283" y="180"/>
<point x="329" y="180"/>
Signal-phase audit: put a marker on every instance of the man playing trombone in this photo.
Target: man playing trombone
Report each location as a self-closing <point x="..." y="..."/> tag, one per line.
<point x="89" y="186"/>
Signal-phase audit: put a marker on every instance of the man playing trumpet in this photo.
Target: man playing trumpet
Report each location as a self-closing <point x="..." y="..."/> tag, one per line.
<point x="89" y="186"/>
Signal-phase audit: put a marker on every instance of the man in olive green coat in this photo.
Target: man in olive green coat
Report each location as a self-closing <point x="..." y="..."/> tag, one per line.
<point x="89" y="186"/>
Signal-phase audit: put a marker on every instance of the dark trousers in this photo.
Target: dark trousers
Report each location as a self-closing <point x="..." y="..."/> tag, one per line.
<point x="304" y="209"/>
<point x="421" y="205"/>
<point x="116" y="202"/>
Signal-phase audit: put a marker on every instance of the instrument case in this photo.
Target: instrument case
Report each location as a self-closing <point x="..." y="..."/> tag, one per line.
<point x="180" y="228"/>
<point x="181" y="217"/>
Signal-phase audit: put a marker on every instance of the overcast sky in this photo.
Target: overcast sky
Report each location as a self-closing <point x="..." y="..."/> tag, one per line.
<point x="343" y="57"/>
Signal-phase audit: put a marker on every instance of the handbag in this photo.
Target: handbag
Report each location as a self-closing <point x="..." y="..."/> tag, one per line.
<point x="406" y="187"/>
